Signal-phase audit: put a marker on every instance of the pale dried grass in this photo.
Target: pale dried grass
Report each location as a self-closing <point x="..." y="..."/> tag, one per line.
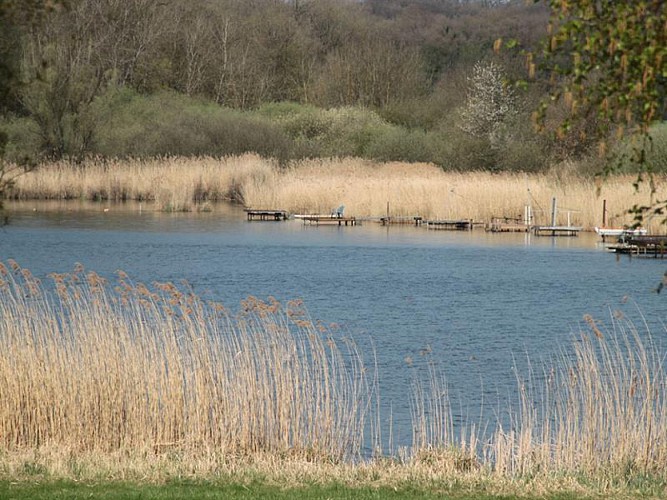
<point x="90" y="368"/>
<point x="600" y="411"/>
<point x="366" y="188"/>
<point x="174" y="184"/>
<point x="150" y="383"/>
<point x="370" y="189"/>
<point x="434" y="475"/>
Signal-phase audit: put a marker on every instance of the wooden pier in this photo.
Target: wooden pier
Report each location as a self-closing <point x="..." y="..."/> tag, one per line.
<point x="556" y="230"/>
<point x="386" y="221"/>
<point x="646" y="246"/>
<point x="450" y="225"/>
<point x="508" y="225"/>
<point x="329" y="219"/>
<point x="257" y="214"/>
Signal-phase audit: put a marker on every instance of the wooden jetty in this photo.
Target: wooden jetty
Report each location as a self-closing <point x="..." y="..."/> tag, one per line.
<point x="643" y="245"/>
<point x="508" y="225"/>
<point x="556" y="230"/>
<point x="450" y="225"/>
<point x="263" y="214"/>
<point x="329" y="219"/>
<point x="386" y="221"/>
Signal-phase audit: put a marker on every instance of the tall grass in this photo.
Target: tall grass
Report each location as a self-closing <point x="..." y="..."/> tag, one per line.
<point x="173" y="184"/>
<point x="366" y="188"/>
<point x="121" y="376"/>
<point x="600" y="411"/>
<point x="96" y="367"/>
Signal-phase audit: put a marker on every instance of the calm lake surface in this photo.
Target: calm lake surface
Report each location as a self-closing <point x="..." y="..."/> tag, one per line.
<point x="480" y="303"/>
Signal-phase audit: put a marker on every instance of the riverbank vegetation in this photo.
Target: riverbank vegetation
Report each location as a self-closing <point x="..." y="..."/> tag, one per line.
<point x="366" y="188"/>
<point x="126" y="381"/>
<point x="333" y="83"/>
<point x="414" y="81"/>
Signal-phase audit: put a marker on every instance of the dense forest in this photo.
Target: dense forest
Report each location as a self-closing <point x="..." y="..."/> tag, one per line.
<point x="407" y="80"/>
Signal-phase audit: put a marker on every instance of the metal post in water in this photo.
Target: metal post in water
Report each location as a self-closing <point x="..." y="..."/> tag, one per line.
<point x="525" y="214"/>
<point x="604" y="213"/>
<point x="553" y="212"/>
<point x="530" y="214"/>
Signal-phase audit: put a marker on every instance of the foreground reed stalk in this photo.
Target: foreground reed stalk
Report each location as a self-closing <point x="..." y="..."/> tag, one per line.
<point x="600" y="411"/>
<point x="92" y="368"/>
<point x="130" y="377"/>
<point x="367" y="189"/>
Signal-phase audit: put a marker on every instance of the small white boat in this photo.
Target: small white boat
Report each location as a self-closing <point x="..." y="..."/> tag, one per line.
<point x="619" y="231"/>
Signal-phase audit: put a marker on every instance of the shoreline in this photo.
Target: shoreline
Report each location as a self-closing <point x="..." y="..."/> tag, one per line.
<point x="226" y="209"/>
<point x="367" y="189"/>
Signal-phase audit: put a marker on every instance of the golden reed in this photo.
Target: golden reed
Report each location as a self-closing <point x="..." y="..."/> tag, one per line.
<point x="125" y="380"/>
<point x="366" y="188"/>
<point x="92" y="366"/>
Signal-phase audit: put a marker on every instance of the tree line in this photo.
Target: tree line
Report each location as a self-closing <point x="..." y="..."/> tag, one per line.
<point x="418" y="78"/>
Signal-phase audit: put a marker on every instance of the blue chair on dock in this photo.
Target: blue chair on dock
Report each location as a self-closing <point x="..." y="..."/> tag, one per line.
<point x="338" y="212"/>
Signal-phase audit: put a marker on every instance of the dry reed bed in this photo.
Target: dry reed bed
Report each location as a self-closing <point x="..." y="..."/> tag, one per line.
<point x="364" y="187"/>
<point x="601" y="410"/>
<point x="130" y="381"/>
<point x="91" y="368"/>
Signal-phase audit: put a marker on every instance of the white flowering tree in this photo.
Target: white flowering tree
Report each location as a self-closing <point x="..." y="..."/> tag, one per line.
<point x="489" y="105"/>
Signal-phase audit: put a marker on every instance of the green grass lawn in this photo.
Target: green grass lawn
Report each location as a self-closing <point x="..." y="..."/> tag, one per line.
<point x="136" y="491"/>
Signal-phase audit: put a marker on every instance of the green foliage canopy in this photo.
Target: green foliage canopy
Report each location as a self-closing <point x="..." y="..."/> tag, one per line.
<point x="607" y="59"/>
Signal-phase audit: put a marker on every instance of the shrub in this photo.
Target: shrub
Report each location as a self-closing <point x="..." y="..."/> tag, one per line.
<point x="22" y="138"/>
<point x="351" y="131"/>
<point x="399" y="144"/>
<point x="171" y="124"/>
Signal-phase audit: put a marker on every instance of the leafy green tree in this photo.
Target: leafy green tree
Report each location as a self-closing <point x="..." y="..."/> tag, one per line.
<point x="15" y="19"/>
<point x="608" y="58"/>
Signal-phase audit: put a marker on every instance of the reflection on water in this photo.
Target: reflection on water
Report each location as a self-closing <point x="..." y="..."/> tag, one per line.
<point x="476" y="303"/>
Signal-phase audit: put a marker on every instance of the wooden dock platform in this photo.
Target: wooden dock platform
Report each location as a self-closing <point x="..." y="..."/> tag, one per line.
<point x="557" y="230"/>
<point x="450" y="225"/>
<point x="508" y="225"/>
<point x="645" y="245"/>
<point x="263" y="214"/>
<point x="329" y="219"/>
<point x="386" y="221"/>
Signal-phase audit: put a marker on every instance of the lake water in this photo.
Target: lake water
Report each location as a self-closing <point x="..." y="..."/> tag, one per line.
<point x="481" y="303"/>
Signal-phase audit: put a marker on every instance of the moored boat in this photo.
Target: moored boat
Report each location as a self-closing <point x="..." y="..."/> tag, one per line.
<point x="619" y="231"/>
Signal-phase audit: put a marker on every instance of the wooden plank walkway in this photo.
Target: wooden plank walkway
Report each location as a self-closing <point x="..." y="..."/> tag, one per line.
<point x="557" y="230"/>
<point x="263" y="214"/>
<point x="646" y="246"/>
<point x="450" y="225"/>
<point x="386" y="221"/>
<point x="329" y="219"/>
<point x="508" y="225"/>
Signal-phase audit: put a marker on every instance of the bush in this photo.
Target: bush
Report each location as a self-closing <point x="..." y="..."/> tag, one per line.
<point x="171" y="124"/>
<point x="657" y="155"/>
<point x="350" y="131"/>
<point x="305" y="125"/>
<point x="453" y="149"/>
<point x="624" y="152"/>
<point x="398" y="144"/>
<point x="22" y="139"/>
